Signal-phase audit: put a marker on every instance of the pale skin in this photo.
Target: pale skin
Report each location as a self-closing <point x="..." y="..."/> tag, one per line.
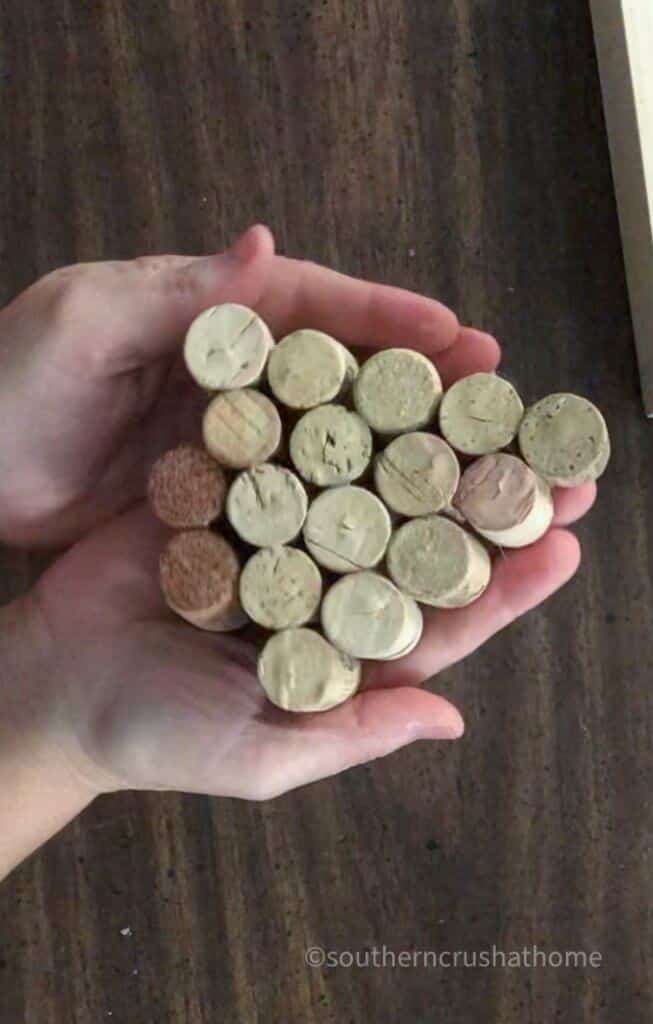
<point x="101" y="688"/>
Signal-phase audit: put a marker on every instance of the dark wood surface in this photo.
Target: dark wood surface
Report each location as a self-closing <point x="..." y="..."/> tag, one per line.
<point x="456" y="148"/>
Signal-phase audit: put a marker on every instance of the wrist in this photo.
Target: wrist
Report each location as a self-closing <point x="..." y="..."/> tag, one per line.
<point x="43" y="787"/>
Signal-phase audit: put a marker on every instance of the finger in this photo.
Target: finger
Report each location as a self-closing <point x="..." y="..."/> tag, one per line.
<point x="521" y="580"/>
<point x="302" y="294"/>
<point x="293" y="750"/>
<point x="474" y="352"/>
<point x="572" y="503"/>
<point x="161" y="296"/>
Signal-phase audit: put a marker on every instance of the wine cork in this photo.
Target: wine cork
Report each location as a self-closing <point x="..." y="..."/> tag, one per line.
<point x="347" y="528"/>
<point x="199" y="574"/>
<point x="438" y="563"/>
<point x="367" y="616"/>
<point x="330" y="445"/>
<point x="301" y="671"/>
<point x="564" y="438"/>
<point x="417" y="474"/>
<point x="186" y="487"/>
<point x="309" y="368"/>
<point x="267" y="505"/>
<point x="505" y="501"/>
<point x="227" y="347"/>
<point x="280" y="588"/>
<point x="480" y="414"/>
<point x="241" y="428"/>
<point x="397" y="390"/>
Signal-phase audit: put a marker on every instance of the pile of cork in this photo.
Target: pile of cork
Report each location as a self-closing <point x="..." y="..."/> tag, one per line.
<point x="342" y="510"/>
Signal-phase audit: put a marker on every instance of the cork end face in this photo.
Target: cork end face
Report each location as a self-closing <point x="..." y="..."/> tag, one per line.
<point x="241" y="428"/>
<point x="267" y="505"/>
<point x="187" y="488"/>
<point x="397" y="390"/>
<point x="308" y="368"/>
<point x="497" y="492"/>
<point x="227" y="346"/>
<point x="199" y="573"/>
<point x="565" y="439"/>
<point x="330" y="446"/>
<point x="347" y="529"/>
<point x="417" y="474"/>
<point x="281" y="588"/>
<point x="438" y="563"/>
<point x="300" y="671"/>
<point x="480" y="414"/>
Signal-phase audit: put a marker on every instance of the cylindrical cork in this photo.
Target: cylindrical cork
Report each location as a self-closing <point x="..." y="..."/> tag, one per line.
<point x="347" y="529"/>
<point x="267" y="505"/>
<point x="309" y="368"/>
<point x="565" y="439"/>
<point x="186" y="487"/>
<point x="301" y="671"/>
<point x="480" y="414"/>
<point x="199" y="574"/>
<point x="438" y="563"/>
<point x="367" y="616"/>
<point x="227" y="347"/>
<point x="330" y="445"/>
<point x="397" y="390"/>
<point x="417" y="474"/>
<point x="505" y="501"/>
<point x="281" y="588"/>
<point x="241" y="428"/>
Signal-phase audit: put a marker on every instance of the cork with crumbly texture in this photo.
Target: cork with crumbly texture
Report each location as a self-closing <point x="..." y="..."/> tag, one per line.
<point x="301" y="671"/>
<point x="199" y="572"/>
<point x="565" y="439"/>
<point x="417" y="474"/>
<point x="438" y="563"/>
<point x="347" y="529"/>
<point x="267" y="505"/>
<point x="280" y="588"/>
<point x="367" y="616"/>
<point x="309" y="368"/>
<point x="227" y="347"/>
<point x="480" y="414"/>
<point x="397" y="390"/>
<point x="241" y="428"/>
<point x="505" y="501"/>
<point x="330" y="445"/>
<point x="186" y="487"/>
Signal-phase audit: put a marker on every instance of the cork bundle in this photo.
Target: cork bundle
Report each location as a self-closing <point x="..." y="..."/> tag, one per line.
<point x="331" y="500"/>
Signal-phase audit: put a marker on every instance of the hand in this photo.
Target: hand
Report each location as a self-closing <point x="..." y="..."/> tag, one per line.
<point x="92" y="385"/>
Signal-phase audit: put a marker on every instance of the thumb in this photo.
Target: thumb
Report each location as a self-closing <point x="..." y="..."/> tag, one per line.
<point x="371" y="725"/>
<point x="162" y="295"/>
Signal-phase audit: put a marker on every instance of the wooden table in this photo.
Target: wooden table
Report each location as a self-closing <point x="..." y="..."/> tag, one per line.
<point x="456" y="148"/>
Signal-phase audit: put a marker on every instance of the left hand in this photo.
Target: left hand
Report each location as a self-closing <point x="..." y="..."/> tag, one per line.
<point x="93" y="387"/>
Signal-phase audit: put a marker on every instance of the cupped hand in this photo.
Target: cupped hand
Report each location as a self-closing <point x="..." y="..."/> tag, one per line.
<point x="142" y="700"/>
<point x="92" y="384"/>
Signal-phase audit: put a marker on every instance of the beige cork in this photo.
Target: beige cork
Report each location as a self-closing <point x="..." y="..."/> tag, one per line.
<point x="267" y="505"/>
<point x="438" y="563"/>
<point x="280" y="588"/>
<point x="241" y="428"/>
<point x="367" y="616"/>
<point x="505" y="501"/>
<point x="564" y="438"/>
<point x="227" y="347"/>
<point x="330" y="445"/>
<point x="301" y="671"/>
<point x="417" y="474"/>
<point x="480" y="414"/>
<point x="347" y="529"/>
<point x="309" y="368"/>
<point x="397" y="390"/>
<point x="199" y="573"/>
<point x="186" y="487"/>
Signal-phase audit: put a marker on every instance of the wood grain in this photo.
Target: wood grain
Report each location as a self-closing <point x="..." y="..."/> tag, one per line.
<point x="458" y="149"/>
